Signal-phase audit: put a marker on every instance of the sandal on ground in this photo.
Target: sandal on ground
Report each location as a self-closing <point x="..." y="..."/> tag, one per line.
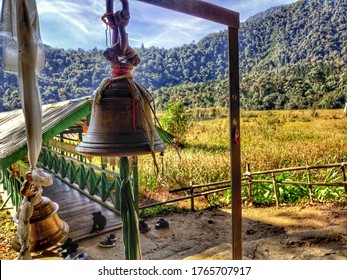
<point x="161" y="223"/>
<point x="144" y="227"/>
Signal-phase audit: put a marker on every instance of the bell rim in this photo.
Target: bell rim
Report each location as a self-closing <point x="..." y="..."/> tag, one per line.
<point x="99" y="150"/>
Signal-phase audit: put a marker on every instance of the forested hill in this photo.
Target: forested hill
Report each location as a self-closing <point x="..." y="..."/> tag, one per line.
<point x="290" y="57"/>
<point x="304" y="32"/>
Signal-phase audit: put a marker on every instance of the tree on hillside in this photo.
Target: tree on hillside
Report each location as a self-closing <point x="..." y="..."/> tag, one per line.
<point x="175" y="120"/>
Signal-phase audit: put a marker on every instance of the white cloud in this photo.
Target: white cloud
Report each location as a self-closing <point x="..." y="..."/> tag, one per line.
<point x="77" y="23"/>
<point x="165" y="28"/>
<point x="69" y="24"/>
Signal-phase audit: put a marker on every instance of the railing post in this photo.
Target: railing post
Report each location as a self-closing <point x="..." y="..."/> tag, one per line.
<point x="61" y="141"/>
<point x="249" y="182"/>
<point x="309" y="185"/>
<point x="102" y="163"/>
<point x="344" y="179"/>
<point x="192" y="206"/>
<point x="275" y="189"/>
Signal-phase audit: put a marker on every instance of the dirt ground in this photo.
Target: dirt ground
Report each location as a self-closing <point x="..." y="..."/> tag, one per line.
<point x="301" y="232"/>
<point x="307" y="232"/>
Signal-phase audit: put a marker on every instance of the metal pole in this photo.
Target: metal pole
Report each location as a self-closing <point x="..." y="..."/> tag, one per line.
<point x="201" y="9"/>
<point x="235" y="154"/>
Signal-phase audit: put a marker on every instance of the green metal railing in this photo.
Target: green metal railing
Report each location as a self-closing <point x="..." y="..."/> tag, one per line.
<point x="11" y="185"/>
<point x="95" y="182"/>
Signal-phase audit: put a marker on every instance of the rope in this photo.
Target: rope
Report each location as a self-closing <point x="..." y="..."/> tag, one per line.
<point x="105" y="83"/>
<point x="23" y="230"/>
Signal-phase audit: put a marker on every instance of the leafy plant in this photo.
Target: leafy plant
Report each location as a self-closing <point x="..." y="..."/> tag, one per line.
<point x="158" y="210"/>
<point x="263" y="194"/>
<point x="325" y="194"/>
<point x="213" y="199"/>
<point x="291" y="193"/>
<point x="175" y="120"/>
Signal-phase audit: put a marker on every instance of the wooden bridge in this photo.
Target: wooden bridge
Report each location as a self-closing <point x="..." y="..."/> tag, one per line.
<point x="79" y="188"/>
<point x="76" y="209"/>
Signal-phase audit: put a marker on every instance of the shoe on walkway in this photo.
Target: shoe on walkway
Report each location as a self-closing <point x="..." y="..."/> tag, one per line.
<point x="112" y="237"/>
<point x="144" y="227"/>
<point x="107" y="242"/>
<point x="81" y="256"/>
<point x="65" y="245"/>
<point x="70" y="249"/>
<point x="161" y="223"/>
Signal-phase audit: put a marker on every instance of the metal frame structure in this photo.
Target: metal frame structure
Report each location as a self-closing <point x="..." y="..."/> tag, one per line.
<point x="231" y="19"/>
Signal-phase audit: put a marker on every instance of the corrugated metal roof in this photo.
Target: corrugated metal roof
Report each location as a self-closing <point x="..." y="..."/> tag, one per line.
<point x="12" y="124"/>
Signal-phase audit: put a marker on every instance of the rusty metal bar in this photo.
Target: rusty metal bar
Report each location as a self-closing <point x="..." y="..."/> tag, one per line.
<point x="235" y="151"/>
<point x="200" y="9"/>
<point x="299" y="168"/>
<point x="212" y="184"/>
<point x="218" y="189"/>
<point x="227" y="182"/>
<point x="288" y="182"/>
<point x="219" y="184"/>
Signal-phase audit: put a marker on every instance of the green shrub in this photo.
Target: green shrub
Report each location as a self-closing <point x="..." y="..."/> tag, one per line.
<point x="175" y="120"/>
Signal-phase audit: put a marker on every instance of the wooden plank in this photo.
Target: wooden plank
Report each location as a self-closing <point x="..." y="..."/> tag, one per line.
<point x="76" y="210"/>
<point x="235" y="151"/>
<point x="200" y="9"/>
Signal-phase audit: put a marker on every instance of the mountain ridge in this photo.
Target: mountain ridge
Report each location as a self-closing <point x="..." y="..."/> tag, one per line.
<point x="283" y="44"/>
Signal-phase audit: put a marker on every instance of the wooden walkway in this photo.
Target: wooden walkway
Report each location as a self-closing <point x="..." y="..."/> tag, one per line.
<point x="76" y="210"/>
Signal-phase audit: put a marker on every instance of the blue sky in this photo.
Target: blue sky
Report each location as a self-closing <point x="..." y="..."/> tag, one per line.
<point x="77" y="24"/>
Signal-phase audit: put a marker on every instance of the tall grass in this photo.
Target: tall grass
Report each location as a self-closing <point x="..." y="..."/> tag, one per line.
<point x="269" y="140"/>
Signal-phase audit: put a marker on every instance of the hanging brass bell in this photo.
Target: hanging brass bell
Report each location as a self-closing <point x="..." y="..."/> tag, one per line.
<point x="46" y="228"/>
<point x="121" y="124"/>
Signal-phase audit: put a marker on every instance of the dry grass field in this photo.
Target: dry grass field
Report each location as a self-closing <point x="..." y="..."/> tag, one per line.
<point x="269" y="140"/>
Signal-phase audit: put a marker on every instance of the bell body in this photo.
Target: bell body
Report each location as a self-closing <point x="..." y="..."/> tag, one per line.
<point x="46" y="228"/>
<point x="120" y="125"/>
